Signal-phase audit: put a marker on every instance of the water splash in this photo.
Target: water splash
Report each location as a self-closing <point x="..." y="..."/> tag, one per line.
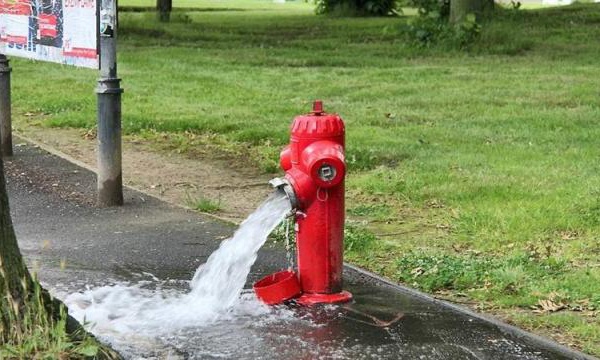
<point x="216" y="288"/>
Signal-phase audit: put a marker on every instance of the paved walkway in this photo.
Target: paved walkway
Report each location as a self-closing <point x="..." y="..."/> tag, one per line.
<point x="73" y="244"/>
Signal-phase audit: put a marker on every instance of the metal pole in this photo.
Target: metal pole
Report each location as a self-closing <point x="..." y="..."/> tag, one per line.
<point x="6" y="148"/>
<point x="110" y="182"/>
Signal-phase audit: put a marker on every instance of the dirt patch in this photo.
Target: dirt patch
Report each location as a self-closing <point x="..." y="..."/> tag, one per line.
<point x="173" y="177"/>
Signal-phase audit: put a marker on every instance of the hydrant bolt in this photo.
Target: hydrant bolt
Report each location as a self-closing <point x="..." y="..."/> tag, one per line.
<point x="327" y="172"/>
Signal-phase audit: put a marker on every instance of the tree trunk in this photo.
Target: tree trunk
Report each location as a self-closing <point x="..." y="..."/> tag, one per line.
<point x="15" y="280"/>
<point x="163" y="8"/>
<point x="22" y="296"/>
<point x="459" y="9"/>
<point x="17" y="288"/>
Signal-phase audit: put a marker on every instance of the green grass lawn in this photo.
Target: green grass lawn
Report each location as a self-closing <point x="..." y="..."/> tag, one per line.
<point x="478" y="171"/>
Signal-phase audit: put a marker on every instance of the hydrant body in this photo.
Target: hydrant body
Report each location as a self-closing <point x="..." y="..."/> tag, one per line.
<point x="315" y="169"/>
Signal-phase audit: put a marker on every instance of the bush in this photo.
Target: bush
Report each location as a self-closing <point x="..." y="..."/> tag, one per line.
<point x="499" y="275"/>
<point x="425" y="7"/>
<point x="432" y="28"/>
<point x="358" y="239"/>
<point x="357" y="7"/>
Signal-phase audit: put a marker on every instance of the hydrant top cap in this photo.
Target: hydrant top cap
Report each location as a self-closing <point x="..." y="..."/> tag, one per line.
<point x="317" y="107"/>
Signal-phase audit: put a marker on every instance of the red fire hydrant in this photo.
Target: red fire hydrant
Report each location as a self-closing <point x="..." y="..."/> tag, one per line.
<point x="315" y="168"/>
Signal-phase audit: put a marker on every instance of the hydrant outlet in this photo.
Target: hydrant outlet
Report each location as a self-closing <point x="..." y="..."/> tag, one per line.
<point x="325" y="163"/>
<point x="283" y="185"/>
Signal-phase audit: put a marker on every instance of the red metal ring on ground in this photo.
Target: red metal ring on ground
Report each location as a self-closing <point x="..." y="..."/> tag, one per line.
<point x="277" y="288"/>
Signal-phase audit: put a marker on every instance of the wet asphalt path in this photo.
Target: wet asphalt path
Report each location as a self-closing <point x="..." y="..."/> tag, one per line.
<point x="73" y="244"/>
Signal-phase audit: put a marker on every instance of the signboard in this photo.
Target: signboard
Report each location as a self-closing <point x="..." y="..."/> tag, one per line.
<point x="62" y="31"/>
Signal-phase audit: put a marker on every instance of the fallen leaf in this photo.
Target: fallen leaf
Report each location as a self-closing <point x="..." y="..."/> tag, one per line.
<point x="90" y="134"/>
<point x="417" y="271"/>
<point x="443" y="226"/>
<point x="568" y="235"/>
<point x="544" y="305"/>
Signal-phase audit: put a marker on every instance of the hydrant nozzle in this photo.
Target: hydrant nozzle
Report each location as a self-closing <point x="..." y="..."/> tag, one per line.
<point x="283" y="185"/>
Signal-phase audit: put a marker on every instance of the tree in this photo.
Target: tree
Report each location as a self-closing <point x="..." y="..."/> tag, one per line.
<point x="18" y="290"/>
<point x="15" y="281"/>
<point x="163" y="8"/>
<point x="27" y="310"/>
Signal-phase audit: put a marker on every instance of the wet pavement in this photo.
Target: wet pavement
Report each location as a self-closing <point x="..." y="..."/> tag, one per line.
<point x="73" y="245"/>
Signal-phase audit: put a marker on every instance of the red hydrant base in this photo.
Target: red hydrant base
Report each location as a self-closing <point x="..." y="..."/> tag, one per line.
<point x="307" y="299"/>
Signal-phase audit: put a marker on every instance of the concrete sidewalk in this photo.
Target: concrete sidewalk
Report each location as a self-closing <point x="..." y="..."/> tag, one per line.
<point x="73" y="244"/>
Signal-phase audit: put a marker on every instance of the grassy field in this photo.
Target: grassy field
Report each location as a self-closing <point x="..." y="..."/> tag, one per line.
<point x="474" y="175"/>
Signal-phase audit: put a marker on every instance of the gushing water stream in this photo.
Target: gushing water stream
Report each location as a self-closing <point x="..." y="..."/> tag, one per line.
<point x="216" y="288"/>
<point x="221" y="279"/>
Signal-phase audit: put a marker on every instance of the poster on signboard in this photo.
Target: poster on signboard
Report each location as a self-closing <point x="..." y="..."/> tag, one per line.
<point x="63" y="31"/>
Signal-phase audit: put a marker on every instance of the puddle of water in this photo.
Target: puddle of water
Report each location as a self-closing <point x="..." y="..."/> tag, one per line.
<point x="214" y="294"/>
